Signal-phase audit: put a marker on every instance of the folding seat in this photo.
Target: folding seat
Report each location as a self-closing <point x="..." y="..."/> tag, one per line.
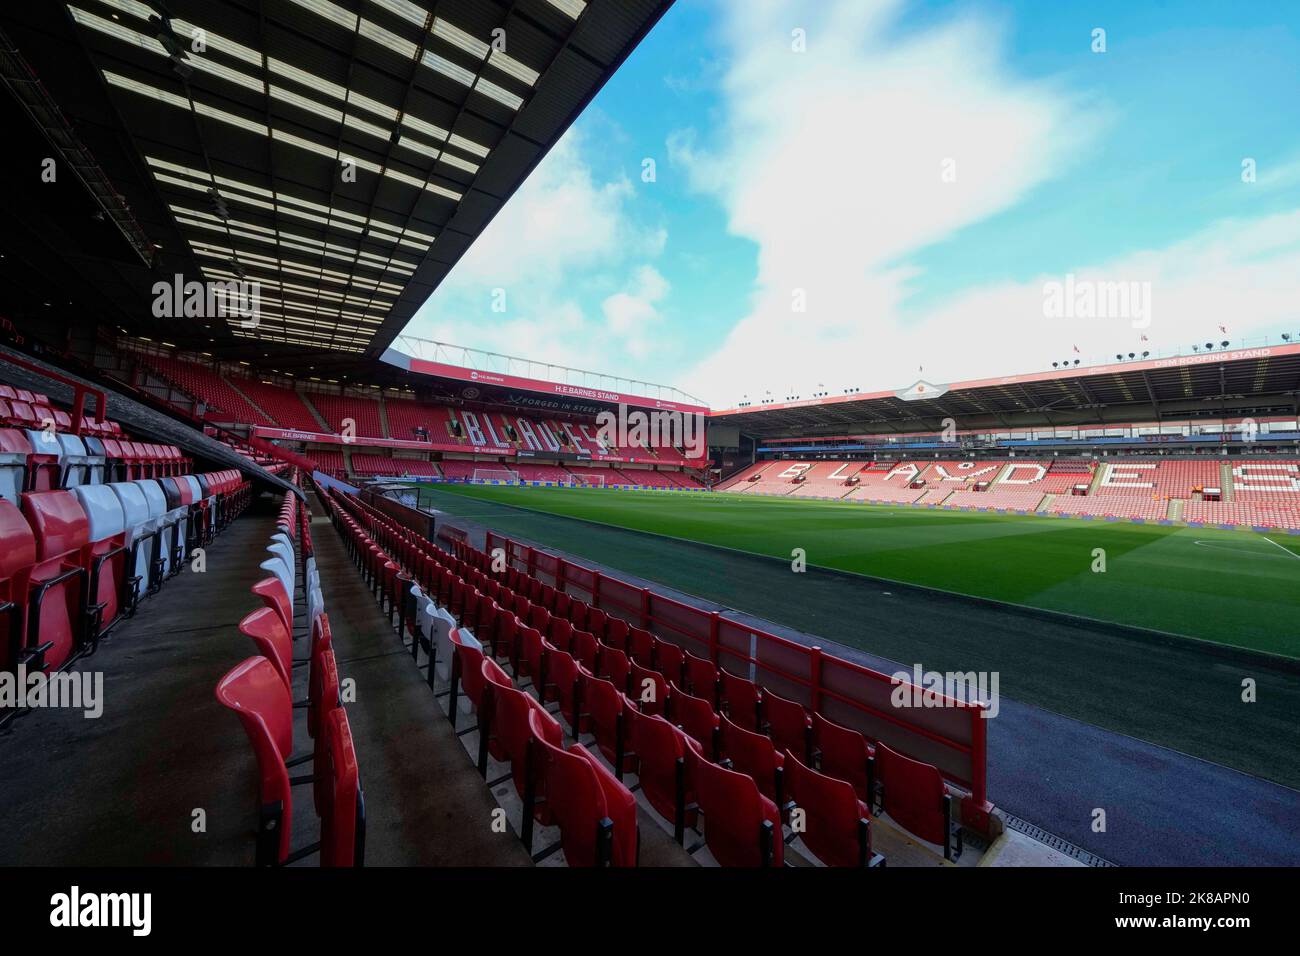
<point x="74" y="461"/>
<point x="597" y="621"/>
<point x="561" y="605"/>
<point x="466" y="675"/>
<point x="753" y="754"/>
<point x="539" y="618"/>
<point x="271" y="590"/>
<point x="604" y="706"/>
<point x="141" y="534"/>
<point x="56" y="602"/>
<point x="697" y="719"/>
<point x="44" y="473"/>
<point x="21" y="415"/>
<point x="255" y="691"/>
<point x="640" y="644"/>
<point x="267" y="631"/>
<point x="613" y="664"/>
<point x="179" y="499"/>
<point x="585" y="647"/>
<point x="663" y="769"/>
<point x="595" y="813"/>
<point x="560" y="633"/>
<point x="7" y="392"/>
<point x="844" y="754"/>
<point x="531" y="662"/>
<point x="742" y="827"/>
<point x="343" y="812"/>
<point x="163" y="525"/>
<point x="115" y="468"/>
<point x="505" y="732"/>
<point x="837" y="825"/>
<point x="563" y="685"/>
<point x="319" y="684"/>
<point x="738" y="698"/>
<point x="578" y="611"/>
<point x="671" y="662"/>
<point x="916" y="797"/>
<point x="616" y="634"/>
<point x="17" y="555"/>
<point x="701" y="677"/>
<point x="787" y="723"/>
<point x="440" y="627"/>
<point x="107" y="556"/>
<point x="648" y="689"/>
<point x="96" y="460"/>
<point x="15" y="449"/>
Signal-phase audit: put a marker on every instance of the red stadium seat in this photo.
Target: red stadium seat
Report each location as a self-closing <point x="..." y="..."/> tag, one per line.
<point x="701" y="677"/>
<point x="255" y="691"/>
<point x="342" y="807"/>
<point x="787" y="723"/>
<point x="741" y="826"/>
<point x="605" y="708"/>
<point x="738" y="698"/>
<point x="56" y="611"/>
<point x="466" y="674"/>
<point x="754" y="755"/>
<point x="915" y="796"/>
<point x="844" y="754"/>
<point x="648" y="689"/>
<point x="663" y="772"/>
<point x="836" y="824"/>
<point x="671" y="662"/>
<point x="272" y="640"/>
<point x="17" y="556"/>
<point x="613" y="663"/>
<point x="584" y="646"/>
<point x="595" y="813"/>
<point x="697" y="719"/>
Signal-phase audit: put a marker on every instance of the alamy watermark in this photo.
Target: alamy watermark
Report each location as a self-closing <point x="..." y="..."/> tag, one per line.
<point x="73" y="690"/>
<point x="1088" y="299"/>
<point x="664" y="428"/>
<point x="236" y="299"/>
<point x="922" y="688"/>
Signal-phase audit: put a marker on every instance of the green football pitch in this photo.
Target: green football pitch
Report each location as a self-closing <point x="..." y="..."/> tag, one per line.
<point x="1238" y="588"/>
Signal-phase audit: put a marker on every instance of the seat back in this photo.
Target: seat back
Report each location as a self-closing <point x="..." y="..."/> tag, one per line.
<point x="17" y="556"/>
<point x="649" y="689"/>
<point x="837" y="825"/>
<point x="696" y="717"/>
<point x="787" y="723"/>
<point x="738" y="697"/>
<point x="272" y="640"/>
<point x="342" y="807"/>
<point x="106" y="530"/>
<point x="741" y="826"/>
<point x="701" y="677"/>
<point x="752" y="754"/>
<point x="595" y="813"/>
<point x="913" y="793"/>
<point x="843" y="753"/>
<point x="271" y="590"/>
<point x="58" y="579"/>
<point x="255" y="691"/>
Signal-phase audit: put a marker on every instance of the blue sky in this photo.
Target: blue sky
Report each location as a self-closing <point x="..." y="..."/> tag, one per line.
<point x="895" y="195"/>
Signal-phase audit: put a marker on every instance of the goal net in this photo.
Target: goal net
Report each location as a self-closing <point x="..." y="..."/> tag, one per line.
<point x="494" y="474"/>
<point x="592" y="481"/>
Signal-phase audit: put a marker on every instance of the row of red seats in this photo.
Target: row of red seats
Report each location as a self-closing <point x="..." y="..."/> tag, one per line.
<point x="260" y="691"/>
<point x="569" y="788"/>
<point x="75" y="563"/>
<point x="576" y="654"/>
<point x="730" y="719"/>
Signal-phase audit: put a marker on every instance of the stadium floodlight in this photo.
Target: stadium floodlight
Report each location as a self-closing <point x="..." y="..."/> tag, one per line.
<point x="1145" y="354"/>
<point x="1286" y="336"/>
<point x="1118" y="357"/>
<point x="1056" y="364"/>
<point x="1209" y="346"/>
<point x="1224" y="343"/>
<point x="1076" y="361"/>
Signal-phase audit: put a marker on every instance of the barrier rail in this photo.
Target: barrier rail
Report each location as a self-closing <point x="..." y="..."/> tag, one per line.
<point x="952" y="736"/>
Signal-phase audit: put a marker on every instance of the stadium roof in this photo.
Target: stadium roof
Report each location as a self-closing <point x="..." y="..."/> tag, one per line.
<point x="1233" y="378"/>
<point x="343" y="153"/>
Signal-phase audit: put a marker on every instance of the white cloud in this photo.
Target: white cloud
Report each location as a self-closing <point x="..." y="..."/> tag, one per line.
<point x="831" y="162"/>
<point x="555" y="249"/>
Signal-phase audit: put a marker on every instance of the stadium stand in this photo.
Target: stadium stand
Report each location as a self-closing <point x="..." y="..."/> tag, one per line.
<point x="208" y="387"/>
<point x="284" y="405"/>
<point x="363" y="412"/>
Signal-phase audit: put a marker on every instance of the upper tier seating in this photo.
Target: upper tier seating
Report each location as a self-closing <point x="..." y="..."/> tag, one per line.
<point x="207" y="386"/>
<point x="364" y="413"/>
<point x="282" y="404"/>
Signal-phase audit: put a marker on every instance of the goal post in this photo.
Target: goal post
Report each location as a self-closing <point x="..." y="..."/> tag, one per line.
<point x="588" y="481"/>
<point x="485" y="475"/>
